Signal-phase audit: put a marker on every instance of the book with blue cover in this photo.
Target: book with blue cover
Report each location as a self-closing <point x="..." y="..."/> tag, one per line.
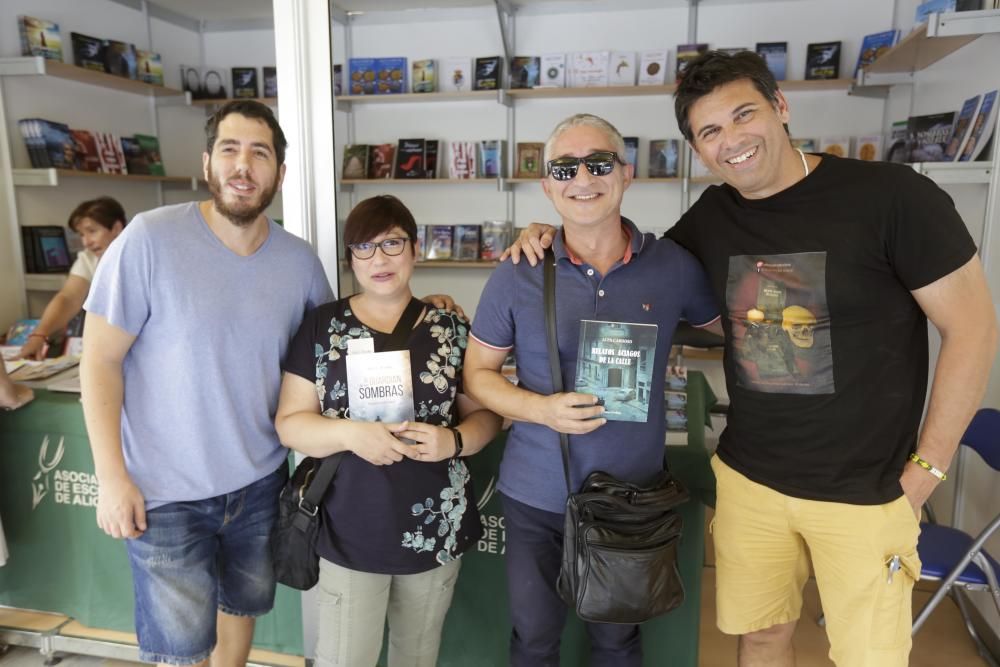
<point x="982" y="128"/>
<point x="392" y="76"/>
<point x="40" y="38"/>
<point x="962" y="128"/>
<point x="775" y="54"/>
<point x="873" y="46"/>
<point x="614" y="362"/>
<point x="88" y="52"/>
<point x="361" y="72"/>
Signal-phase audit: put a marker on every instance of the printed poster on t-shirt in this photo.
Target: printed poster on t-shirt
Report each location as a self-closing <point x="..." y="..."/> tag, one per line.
<point x="380" y="387"/>
<point x="615" y="363"/>
<point x="780" y="323"/>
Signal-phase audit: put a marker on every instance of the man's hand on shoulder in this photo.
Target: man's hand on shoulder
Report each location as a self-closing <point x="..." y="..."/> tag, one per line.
<point x="572" y="413"/>
<point x="444" y="302"/>
<point x="121" y="509"/>
<point x="532" y="242"/>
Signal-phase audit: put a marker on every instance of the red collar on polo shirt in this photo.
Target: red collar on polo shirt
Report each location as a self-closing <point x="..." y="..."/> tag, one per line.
<point x="625" y="260"/>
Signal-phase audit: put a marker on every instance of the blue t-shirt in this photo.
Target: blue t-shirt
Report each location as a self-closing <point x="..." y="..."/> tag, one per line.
<point x="211" y="328"/>
<point x="659" y="283"/>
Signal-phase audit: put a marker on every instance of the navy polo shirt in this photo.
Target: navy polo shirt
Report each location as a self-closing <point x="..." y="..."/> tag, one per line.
<point x="657" y="282"/>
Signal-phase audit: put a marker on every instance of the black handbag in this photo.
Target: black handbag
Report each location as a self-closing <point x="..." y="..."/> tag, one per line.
<point x="620" y="540"/>
<point x="293" y="538"/>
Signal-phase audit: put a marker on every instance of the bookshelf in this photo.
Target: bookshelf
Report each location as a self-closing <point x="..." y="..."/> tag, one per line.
<point x="44" y="282"/>
<point x="52" y="177"/>
<point x="40" y="66"/>
<point x="269" y="101"/>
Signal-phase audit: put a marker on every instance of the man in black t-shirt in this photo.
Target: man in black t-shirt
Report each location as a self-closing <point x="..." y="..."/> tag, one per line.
<point x="827" y="271"/>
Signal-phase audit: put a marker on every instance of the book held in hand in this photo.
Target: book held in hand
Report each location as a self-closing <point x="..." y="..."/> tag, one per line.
<point x="823" y="61"/>
<point x="40" y="38"/>
<point x="380" y="386"/>
<point x="615" y="363"/>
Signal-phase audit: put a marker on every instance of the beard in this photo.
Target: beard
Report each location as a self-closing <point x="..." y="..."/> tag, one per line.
<point x="243" y="212"/>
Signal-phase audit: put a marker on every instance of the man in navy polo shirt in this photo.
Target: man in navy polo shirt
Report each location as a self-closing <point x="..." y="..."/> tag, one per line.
<point x="606" y="270"/>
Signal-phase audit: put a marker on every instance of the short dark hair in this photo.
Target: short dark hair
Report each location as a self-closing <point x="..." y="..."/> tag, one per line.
<point x="250" y="109"/>
<point x="716" y="68"/>
<point x="105" y="211"/>
<point x="377" y="215"/>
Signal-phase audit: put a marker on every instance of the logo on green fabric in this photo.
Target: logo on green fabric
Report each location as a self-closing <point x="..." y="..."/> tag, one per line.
<point x="67" y="487"/>
<point x="42" y="481"/>
<point x="494" y="539"/>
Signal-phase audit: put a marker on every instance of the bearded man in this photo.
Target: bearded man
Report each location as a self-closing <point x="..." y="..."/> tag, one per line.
<point x="188" y="320"/>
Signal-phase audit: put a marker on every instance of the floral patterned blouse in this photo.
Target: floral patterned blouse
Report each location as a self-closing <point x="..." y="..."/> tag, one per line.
<point x="410" y="516"/>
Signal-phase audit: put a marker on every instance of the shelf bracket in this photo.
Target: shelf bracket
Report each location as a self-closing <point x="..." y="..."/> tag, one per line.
<point x="504" y="99"/>
<point x="953" y="24"/>
<point x="22" y="66"/>
<point x="505" y="14"/>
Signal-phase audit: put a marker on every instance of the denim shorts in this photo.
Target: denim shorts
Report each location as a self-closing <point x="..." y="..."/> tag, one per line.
<point x="200" y="557"/>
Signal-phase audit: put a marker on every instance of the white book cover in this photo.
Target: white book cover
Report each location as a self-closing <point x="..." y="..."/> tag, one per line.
<point x="653" y="67"/>
<point x="838" y="146"/>
<point x="455" y="74"/>
<point x="462" y="159"/>
<point x="621" y="68"/>
<point x="380" y="387"/>
<point x="868" y="148"/>
<point x="553" y="70"/>
<point x="590" y="69"/>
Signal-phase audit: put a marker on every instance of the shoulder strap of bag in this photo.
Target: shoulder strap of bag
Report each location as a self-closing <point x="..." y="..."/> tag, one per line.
<point x="552" y="341"/>
<point x="328" y="468"/>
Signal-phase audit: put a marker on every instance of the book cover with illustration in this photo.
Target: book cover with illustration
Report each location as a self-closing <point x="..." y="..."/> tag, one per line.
<point x="355" y="161"/>
<point x="391" y="76"/>
<point x="151" y="149"/>
<point x="135" y="157"/>
<point x="149" y="66"/>
<point x="120" y="59"/>
<point x="927" y="136"/>
<point x="823" y="61"/>
<point x="614" y="362"/>
<point x="589" y="69"/>
<point x="621" y="68"/>
<point x="685" y="54"/>
<point x="552" y="70"/>
<point x="466" y="243"/>
<point x="245" y="82"/>
<point x="462" y="159"/>
<point x="982" y="128"/>
<point x="380" y="158"/>
<point x="380" y="386"/>
<point x="491" y="158"/>
<point x="270" y="78"/>
<point x="805" y="145"/>
<point x="488" y="73"/>
<point x="40" y="38"/>
<point x="456" y="75"/>
<point x="439" y="241"/>
<point x="88" y="52"/>
<point x="632" y="153"/>
<point x="495" y="236"/>
<point x="85" y="149"/>
<point x="664" y="158"/>
<point x="410" y="159"/>
<point x="57" y="140"/>
<point x="431" y="147"/>
<point x="780" y="323"/>
<point x="424" y="76"/>
<point x="962" y="128"/>
<point x="874" y="46"/>
<point x="775" y="54"/>
<point x="525" y="71"/>
<point x="529" y="160"/>
<point x="838" y="146"/>
<point x="362" y="75"/>
<point x="868" y="148"/>
<point x="109" y="149"/>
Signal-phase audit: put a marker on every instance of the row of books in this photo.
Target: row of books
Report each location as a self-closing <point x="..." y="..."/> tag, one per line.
<point x="952" y="136"/>
<point x="867" y="147"/>
<point x="45" y="249"/>
<point x="485" y="241"/>
<point x="52" y="144"/>
<point x="209" y="83"/>
<point x="40" y="37"/>
<point x="420" y="158"/>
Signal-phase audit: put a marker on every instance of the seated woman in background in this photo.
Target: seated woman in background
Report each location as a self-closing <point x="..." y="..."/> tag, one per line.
<point x="397" y="516"/>
<point x="98" y="222"/>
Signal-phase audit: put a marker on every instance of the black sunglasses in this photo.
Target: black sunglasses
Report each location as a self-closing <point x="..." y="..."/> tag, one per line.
<point x="600" y="163"/>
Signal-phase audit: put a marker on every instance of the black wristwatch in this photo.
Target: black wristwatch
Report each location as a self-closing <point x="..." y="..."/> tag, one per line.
<point x="458" y="443"/>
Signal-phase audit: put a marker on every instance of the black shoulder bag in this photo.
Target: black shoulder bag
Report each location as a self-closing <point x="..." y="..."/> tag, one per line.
<point x="620" y="540"/>
<point x="293" y="539"/>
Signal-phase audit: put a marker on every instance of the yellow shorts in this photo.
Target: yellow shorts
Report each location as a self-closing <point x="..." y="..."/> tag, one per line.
<point x="761" y="540"/>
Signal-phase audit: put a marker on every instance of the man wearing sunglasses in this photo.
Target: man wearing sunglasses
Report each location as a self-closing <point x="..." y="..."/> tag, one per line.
<point x="828" y="270"/>
<point x="607" y="270"/>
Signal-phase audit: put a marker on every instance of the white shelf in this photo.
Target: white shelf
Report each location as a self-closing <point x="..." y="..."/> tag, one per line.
<point x="26" y="66"/>
<point x="51" y="177"/>
<point x="45" y="282"/>
<point x="953" y="173"/>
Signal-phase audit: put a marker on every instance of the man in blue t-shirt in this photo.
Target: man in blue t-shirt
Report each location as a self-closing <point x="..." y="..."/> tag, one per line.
<point x="190" y="314"/>
<point x="609" y="272"/>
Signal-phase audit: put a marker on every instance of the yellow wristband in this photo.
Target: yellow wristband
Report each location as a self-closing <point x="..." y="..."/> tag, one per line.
<point x="928" y="467"/>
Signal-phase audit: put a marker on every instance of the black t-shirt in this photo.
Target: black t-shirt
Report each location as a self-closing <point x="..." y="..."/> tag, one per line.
<point x="410" y="516"/>
<point x="826" y="349"/>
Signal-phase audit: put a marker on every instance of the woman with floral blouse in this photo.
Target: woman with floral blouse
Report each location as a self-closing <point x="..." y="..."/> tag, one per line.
<point x="397" y="516"/>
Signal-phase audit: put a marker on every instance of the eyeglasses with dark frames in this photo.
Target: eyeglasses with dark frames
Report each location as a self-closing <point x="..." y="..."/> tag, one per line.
<point x="366" y="249"/>
<point x="600" y="163"/>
